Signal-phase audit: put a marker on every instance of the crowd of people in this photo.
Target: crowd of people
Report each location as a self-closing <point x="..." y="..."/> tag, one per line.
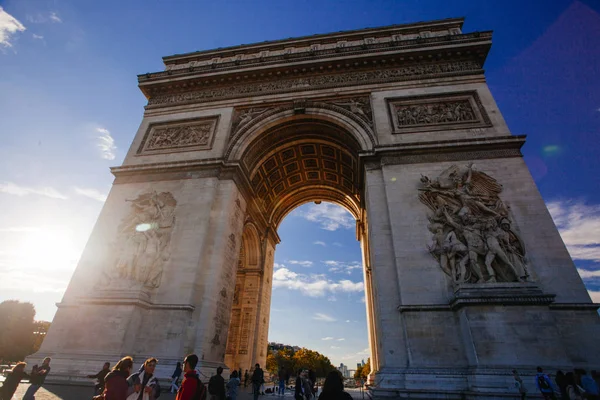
<point x="573" y="385"/>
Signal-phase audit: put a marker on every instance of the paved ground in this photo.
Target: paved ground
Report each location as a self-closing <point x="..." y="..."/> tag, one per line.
<point x="60" y="392"/>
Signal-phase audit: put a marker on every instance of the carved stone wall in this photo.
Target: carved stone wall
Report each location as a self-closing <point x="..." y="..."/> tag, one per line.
<point x="180" y="136"/>
<point x="439" y="112"/>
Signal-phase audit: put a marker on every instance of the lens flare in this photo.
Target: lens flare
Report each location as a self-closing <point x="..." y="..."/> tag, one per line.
<point x="551" y="150"/>
<point x="143" y="227"/>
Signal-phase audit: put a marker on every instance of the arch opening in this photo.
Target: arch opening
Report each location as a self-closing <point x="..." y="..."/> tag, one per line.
<point x="290" y="164"/>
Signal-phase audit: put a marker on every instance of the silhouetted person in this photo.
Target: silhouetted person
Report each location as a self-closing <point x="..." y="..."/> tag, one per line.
<point x="216" y="386"/>
<point x="281" y="377"/>
<point x="99" y="387"/>
<point x="232" y="386"/>
<point x="38" y="376"/>
<point x="258" y="377"/>
<point x="115" y="382"/>
<point x="246" y="377"/>
<point x="573" y="390"/>
<point x="519" y="384"/>
<point x="561" y="382"/>
<point x="333" y="388"/>
<point x="15" y="375"/>
<point x="588" y="384"/>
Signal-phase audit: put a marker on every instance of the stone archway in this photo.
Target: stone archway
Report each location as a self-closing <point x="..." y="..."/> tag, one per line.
<point x="290" y="160"/>
<point x="397" y="125"/>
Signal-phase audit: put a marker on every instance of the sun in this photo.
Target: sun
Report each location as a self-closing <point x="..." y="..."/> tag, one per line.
<point x="47" y="249"/>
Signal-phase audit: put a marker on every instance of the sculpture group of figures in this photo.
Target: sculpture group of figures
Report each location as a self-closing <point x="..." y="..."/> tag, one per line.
<point x="143" y="242"/>
<point x="472" y="235"/>
<point x="435" y="113"/>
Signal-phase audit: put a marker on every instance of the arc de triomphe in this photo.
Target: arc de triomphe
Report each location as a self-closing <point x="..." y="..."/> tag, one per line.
<point x="466" y="276"/>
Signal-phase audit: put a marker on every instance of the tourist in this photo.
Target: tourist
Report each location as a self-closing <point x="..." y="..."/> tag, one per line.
<point x="561" y="383"/>
<point x="246" y="377"/>
<point x="313" y="381"/>
<point x="333" y="388"/>
<point x="232" y="386"/>
<point x="99" y="387"/>
<point x="115" y="382"/>
<point x="544" y="385"/>
<point x="589" y="385"/>
<point x="216" y="386"/>
<point x="175" y="378"/>
<point x="38" y="376"/>
<point x="574" y="391"/>
<point x="281" y="376"/>
<point x="12" y="381"/>
<point x="191" y="387"/>
<point x="298" y="388"/>
<point x="145" y="384"/>
<point x="519" y="385"/>
<point x="258" y="378"/>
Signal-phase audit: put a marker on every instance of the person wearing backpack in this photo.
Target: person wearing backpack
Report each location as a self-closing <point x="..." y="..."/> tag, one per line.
<point x="191" y="388"/>
<point x="216" y="386"/>
<point x="544" y="385"/>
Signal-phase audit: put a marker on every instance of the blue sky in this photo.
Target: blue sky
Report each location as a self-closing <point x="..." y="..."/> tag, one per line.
<point x="70" y="106"/>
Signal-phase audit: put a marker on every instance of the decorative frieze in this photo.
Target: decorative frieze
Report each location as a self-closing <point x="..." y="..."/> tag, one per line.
<point x="439" y="112"/>
<point x="380" y="75"/>
<point x="181" y="136"/>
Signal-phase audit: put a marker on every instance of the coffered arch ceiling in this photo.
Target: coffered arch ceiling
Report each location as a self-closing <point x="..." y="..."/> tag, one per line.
<point x="301" y="161"/>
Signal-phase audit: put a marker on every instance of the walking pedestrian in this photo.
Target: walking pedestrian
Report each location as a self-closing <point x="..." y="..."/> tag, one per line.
<point x="175" y="378"/>
<point x="115" y="382"/>
<point x="246" y="377"/>
<point x="37" y="379"/>
<point x="544" y="385"/>
<point x="232" y="386"/>
<point x="145" y="384"/>
<point x="99" y="386"/>
<point x="281" y="376"/>
<point x="12" y="381"/>
<point x="216" y="386"/>
<point x="589" y="385"/>
<point x="519" y="385"/>
<point x="258" y="378"/>
<point x="333" y="388"/>
<point x="561" y="383"/>
<point x="298" y="388"/>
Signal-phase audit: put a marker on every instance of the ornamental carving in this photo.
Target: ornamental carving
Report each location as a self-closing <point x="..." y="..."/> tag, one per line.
<point x="435" y="113"/>
<point x="143" y="243"/>
<point x="473" y="239"/>
<point x="197" y="135"/>
<point x="359" y="106"/>
<point x="318" y="82"/>
<point x="447" y="111"/>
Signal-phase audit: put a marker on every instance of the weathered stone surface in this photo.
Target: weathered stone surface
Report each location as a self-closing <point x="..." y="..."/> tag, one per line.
<point x="358" y="119"/>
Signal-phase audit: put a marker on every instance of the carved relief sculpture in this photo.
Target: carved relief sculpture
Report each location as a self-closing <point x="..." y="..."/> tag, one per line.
<point x="143" y="243"/>
<point x="186" y="136"/>
<point x="426" y="114"/>
<point x="472" y="236"/>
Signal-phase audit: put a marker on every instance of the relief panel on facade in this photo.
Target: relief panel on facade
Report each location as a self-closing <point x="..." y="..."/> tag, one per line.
<point x="472" y="235"/>
<point x="142" y="243"/>
<point x="245" y="330"/>
<point x="182" y="136"/>
<point x="440" y="112"/>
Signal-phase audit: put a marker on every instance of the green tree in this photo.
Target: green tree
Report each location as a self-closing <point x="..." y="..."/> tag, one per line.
<point x="16" y="330"/>
<point x="362" y="372"/>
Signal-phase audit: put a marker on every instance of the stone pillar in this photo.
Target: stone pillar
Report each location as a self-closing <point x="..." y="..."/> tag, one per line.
<point x="391" y="350"/>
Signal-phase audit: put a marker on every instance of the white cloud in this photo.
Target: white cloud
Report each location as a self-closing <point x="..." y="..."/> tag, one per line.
<point x="335" y="347"/>
<point x="331" y="217"/>
<point x="91" y="193"/>
<point x="579" y="226"/>
<point x="37" y="36"/>
<point x="340" y="339"/>
<point x="331" y="298"/>
<point x="327" y="338"/>
<point x="323" y="317"/>
<point x="313" y="285"/>
<point x="342" y="267"/>
<point x="301" y="263"/>
<point x="348" y="320"/>
<point x="55" y="18"/>
<point x="586" y="274"/>
<point x="595" y="295"/>
<point x="106" y="144"/>
<point x="9" y="25"/>
<point x="320" y="243"/>
<point x="360" y="354"/>
<point x="278" y="265"/>
<point x="338" y="244"/>
<point x="16" y="190"/>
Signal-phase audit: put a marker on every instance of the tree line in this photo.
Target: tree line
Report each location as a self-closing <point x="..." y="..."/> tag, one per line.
<point x="293" y="360"/>
<point x="20" y="334"/>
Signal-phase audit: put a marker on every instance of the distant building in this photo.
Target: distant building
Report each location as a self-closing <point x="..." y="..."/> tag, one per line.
<point x="358" y="365"/>
<point x="344" y="370"/>
<point x="362" y="362"/>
